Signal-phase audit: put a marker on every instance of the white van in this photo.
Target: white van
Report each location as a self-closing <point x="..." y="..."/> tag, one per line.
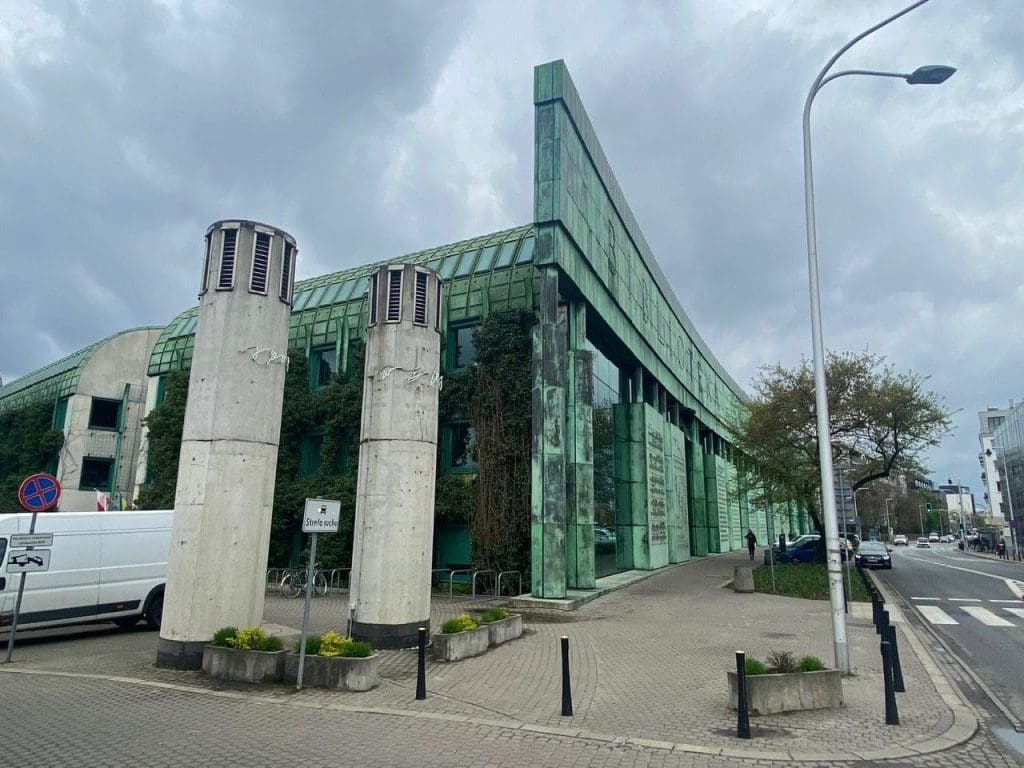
<point x="103" y="566"/>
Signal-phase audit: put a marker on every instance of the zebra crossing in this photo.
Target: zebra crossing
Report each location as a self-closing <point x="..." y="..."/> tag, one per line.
<point x="955" y="610"/>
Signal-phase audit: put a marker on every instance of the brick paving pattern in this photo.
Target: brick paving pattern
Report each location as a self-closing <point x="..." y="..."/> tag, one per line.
<point x="648" y="669"/>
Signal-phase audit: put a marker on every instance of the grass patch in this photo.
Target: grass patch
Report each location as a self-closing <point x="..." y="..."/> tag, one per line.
<point x="808" y="581"/>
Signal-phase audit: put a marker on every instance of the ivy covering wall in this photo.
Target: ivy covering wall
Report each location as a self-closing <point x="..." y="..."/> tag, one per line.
<point x="319" y="450"/>
<point x="28" y="444"/>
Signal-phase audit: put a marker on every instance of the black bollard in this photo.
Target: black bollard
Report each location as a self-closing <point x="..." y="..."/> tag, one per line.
<point x="883" y="622"/>
<point x="566" y="690"/>
<point x="876" y="610"/>
<point x="421" y="665"/>
<point x="742" y="712"/>
<point x="892" y="715"/>
<point x="897" y="669"/>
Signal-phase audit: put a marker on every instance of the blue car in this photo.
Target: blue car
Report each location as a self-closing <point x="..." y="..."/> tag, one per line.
<point x="801" y="552"/>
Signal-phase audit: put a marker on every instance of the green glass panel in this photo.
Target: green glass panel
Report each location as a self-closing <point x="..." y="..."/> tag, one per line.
<point x="301" y="301"/>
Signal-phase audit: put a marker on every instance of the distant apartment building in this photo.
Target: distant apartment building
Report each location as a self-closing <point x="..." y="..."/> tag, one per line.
<point x="1001" y="435"/>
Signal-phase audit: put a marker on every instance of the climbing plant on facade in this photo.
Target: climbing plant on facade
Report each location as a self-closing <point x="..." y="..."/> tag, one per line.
<point x="29" y="445"/>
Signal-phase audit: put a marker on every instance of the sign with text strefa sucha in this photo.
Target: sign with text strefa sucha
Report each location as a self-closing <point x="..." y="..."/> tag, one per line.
<point x="321" y="516"/>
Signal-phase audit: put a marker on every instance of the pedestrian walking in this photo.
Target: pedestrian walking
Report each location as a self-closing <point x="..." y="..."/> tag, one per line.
<point x="751" y="542"/>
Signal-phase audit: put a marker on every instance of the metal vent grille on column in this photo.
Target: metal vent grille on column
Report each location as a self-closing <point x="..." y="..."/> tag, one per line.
<point x="226" y="278"/>
<point x="260" y="263"/>
<point x="394" y="309"/>
<point x="420" y="305"/>
<point x="287" y="255"/>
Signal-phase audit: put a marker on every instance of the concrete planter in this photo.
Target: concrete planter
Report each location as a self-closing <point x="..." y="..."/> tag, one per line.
<point x="342" y="673"/>
<point x="461" y="645"/>
<point x="503" y="630"/>
<point x="791" y="691"/>
<point x="243" y="666"/>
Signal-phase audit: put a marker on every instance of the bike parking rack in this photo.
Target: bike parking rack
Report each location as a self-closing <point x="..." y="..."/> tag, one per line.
<point x="451" y="580"/>
<point x="519" y="582"/>
<point x="477" y="573"/>
<point x="335" y="577"/>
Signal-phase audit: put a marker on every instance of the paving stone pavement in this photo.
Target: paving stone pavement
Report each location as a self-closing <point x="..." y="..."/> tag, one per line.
<point x="648" y="669"/>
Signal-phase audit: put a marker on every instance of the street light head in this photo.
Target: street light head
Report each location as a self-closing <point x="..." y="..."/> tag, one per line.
<point x="933" y="74"/>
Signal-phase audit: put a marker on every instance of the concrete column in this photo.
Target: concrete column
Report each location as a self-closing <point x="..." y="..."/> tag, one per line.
<point x="394" y="519"/>
<point x="216" y="573"/>
<point x="677" y="517"/>
<point x="548" y="481"/>
<point x="580" y="466"/>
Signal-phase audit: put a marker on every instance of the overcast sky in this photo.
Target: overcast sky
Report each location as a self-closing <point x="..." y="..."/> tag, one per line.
<point x="371" y="130"/>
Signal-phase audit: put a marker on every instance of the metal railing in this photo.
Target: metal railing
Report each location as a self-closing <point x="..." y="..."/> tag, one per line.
<point x="519" y="582"/>
<point x="339" y="579"/>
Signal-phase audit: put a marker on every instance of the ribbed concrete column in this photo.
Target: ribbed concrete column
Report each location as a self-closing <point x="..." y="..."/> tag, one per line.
<point x="216" y="573"/>
<point x="394" y="520"/>
<point x="676" y="513"/>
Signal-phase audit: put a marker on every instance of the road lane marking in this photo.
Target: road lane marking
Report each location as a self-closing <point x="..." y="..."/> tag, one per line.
<point x="965" y="599"/>
<point x="936" y="615"/>
<point x="1015" y="586"/>
<point x="926" y="598"/>
<point x="1015" y="602"/>
<point x="986" y="617"/>
<point x="1018" y="612"/>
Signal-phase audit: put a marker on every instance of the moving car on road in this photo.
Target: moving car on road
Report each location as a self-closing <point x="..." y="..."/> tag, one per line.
<point x="900" y="539"/>
<point x="873" y="554"/>
<point x="922" y="541"/>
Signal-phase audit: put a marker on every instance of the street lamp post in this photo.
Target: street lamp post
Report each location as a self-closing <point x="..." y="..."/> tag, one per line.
<point x="960" y="504"/>
<point x="888" y="523"/>
<point x="931" y="75"/>
<point x="920" y="514"/>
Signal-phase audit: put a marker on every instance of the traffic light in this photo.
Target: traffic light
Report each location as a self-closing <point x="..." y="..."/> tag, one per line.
<point x="928" y="508"/>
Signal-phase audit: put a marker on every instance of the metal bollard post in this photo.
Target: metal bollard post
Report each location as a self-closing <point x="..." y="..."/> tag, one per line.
<point x="876" y="608"/>
<point x="883" y="622"/>
<point x="897" y="669"/>
<point x="742" y="712"/>
<point x="892" y="715"/>
<point x="421" y="665"/>
<point x="566" y="690"/>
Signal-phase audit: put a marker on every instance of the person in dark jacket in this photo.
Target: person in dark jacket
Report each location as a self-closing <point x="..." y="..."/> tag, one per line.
<point x="751" y="542"/>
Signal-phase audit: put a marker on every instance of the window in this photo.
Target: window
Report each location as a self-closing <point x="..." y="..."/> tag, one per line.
<point x="323" y="363"/>
<point x="420" y="300"/>
<point x="260" y="263"/>
<point x="462" y="347"/>
<point x="96" y="474"/>
<point x="460" y="447"/>
<point x="60" y="413"/>
<point x="287" y="268"/>
<point x="394" y="309"/>
<point x="105" y="414"/>
<point x="226" y="277"/>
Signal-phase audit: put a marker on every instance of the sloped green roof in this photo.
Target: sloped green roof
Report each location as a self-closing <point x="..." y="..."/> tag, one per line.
<point x="53" y="381"/>
<point x="321" y="303"/>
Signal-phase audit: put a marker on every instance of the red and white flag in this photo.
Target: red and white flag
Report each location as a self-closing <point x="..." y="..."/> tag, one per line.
<point x="102" y="501"/>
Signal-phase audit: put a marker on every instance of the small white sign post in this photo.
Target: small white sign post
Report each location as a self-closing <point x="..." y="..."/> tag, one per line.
<point x="319" y="516"/>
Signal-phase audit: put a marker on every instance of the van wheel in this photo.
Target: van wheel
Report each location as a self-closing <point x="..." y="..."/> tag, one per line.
<point x="155" y="612"/>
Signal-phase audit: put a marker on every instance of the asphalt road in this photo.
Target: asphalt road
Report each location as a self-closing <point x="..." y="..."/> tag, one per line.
<point x="975" y="605"/>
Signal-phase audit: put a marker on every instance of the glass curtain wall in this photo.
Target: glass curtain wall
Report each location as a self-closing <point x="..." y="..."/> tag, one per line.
<point x="606" y="395"/>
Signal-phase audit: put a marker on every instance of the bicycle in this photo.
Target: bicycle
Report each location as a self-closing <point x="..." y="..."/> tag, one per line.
<point x="294" y="582"/>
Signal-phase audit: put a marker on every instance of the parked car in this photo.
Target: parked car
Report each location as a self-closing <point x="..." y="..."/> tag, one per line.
<point x="900" y="539"/>
<point x="802" y="552"/>
<point x="873" y="554"/>
<point x="922" y="541"/>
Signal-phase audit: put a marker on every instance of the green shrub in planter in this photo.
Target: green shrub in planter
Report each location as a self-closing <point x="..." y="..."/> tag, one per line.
<point x="811" y="664"/>
<point x="782" y="662"/>
<point x="223" y="636"/>
<point x="331" y="644"/>
<point x="461" y="623"/>
<point x="254" y="639"/>
<point x="493" y="614"/>
<point x="753" y="666"/>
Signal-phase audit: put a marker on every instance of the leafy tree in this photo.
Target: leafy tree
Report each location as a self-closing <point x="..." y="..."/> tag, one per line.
<point x="28" y="444"/>
<point x="883" y="418"/>
<point x="165" y="423"/>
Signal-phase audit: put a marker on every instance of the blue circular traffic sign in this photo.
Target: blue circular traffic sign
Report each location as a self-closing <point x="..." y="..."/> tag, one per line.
<point x="39" y="492"/>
